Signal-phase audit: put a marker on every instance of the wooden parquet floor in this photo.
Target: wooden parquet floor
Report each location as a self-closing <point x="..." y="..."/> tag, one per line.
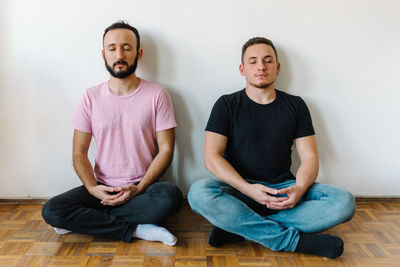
<point x="372" y="238"/>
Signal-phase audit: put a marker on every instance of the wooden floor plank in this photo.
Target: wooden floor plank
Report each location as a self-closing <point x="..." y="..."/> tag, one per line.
<point x="372" y="238"/>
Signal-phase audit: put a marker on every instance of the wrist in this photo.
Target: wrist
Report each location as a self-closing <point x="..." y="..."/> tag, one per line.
<point x="140" y="188"/>
<point x="244" y="187"/>
<point x="90" y="187"/>
<point x="303" y="188"/>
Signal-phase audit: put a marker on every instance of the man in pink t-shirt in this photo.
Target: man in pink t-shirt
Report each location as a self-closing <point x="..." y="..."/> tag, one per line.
<point x="132" y="122"/>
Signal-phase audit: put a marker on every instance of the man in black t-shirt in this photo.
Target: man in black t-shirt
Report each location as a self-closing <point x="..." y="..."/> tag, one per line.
<point x="248" y="146"/>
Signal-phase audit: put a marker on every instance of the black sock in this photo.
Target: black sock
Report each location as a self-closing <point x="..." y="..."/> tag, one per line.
<point x="219" y="237"/>
<point x="320" y="244"/>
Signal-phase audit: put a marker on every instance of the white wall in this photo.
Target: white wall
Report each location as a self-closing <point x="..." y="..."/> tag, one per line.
<point x="341" y="56"/>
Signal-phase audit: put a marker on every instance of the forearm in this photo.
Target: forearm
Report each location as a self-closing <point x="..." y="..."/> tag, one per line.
<point x="224" y="171"/>
<point x="307" y="173"/>
<point x="156" y="169"/>
<point x="84" y="170"/>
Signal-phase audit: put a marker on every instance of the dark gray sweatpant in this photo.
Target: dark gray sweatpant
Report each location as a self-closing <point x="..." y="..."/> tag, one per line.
<point x="80" y="212"/>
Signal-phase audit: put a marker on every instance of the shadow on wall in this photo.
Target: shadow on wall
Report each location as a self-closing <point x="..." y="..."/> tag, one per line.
<point x="325" y="149"/>
<point x="148" y="65"/>
<point x="284" y="78"/>
<point x="283" y="83"/>
<point x="149" y="70"/>
<point x="327" y="154"/>
<point x="183" y="137"/>
<point x="6" y="131"/>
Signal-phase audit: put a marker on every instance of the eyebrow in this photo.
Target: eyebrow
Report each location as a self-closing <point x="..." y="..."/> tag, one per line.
<point x="113" y="44"/>
<point x="268" y="56"/>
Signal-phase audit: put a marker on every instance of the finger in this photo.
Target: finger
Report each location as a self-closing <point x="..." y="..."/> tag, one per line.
<point x="109" y="203"/>
<point x="109" y="197"/>
<point x="274" y="207"/>
<point x="289" y="203"/>
<point x="282" y="203"/>
<point x="118" y="195"/>
<point x="277" y="199"/>
<point x="277" y="204"/>
<point x="286" y="190"/>
<point x="106" y="188"/>
<point x="119" y="199"/>
<point x="270" y="191"/>
<point x="126" y="188"/>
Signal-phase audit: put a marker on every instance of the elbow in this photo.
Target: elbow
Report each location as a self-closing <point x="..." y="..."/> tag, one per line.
<point x="316" y="164"/>
<point x="76" y="156"/>
<point x="208" y="162"/>
<point x="167" y="153"/>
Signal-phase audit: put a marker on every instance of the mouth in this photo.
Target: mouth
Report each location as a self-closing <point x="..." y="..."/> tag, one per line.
<point x="120" y="64"/>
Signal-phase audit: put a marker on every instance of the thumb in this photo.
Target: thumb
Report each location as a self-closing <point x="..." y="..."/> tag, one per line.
<point x="117" y="189"/>
<point x="271" y="191"/>
<point x="286" y="190"/>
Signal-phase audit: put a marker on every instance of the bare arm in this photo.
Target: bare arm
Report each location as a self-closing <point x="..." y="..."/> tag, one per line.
<point x="214" y="147"/>
<point x="308" y="171"/>
<point x="82" y="165"/>
<point x="84" y="169"/>
<point x="165" y="142"/>
<point x="306" y="174"/>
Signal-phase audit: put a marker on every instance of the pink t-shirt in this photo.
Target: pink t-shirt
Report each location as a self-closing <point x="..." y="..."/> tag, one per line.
<point x="124" y="128"/>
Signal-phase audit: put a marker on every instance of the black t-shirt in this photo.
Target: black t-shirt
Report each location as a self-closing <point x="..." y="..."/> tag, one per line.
<point x="260" y="137"/>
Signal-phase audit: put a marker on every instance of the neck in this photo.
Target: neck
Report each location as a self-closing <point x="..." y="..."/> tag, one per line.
<point x="261" y="95"/>
<point x="124" y="86"/>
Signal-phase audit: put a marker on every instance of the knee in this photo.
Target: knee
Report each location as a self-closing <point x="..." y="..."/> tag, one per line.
<point x="347" y="205"/>
<point x="343" y="203"/>
<point x="170" y="193"/>
<point x="199" y="192"/>
<point x="52" y="212"/>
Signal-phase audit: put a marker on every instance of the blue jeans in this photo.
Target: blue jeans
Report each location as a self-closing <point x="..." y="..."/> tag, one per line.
<point x="321" y="207"/>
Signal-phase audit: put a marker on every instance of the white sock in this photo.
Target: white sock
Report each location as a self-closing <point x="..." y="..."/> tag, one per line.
<point x="153" y="232"/>
<point x="61" y="231"/>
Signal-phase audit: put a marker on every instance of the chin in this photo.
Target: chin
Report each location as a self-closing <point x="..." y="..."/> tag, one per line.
<point x="263" y="85"/>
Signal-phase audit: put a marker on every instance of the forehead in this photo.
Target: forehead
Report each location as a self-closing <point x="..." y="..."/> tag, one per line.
<point x="259" y="50"/>
<point x="120" y="36"/>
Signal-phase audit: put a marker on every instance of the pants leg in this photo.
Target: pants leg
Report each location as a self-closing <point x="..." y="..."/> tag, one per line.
<point x="78" y="211"/>
<point x="159" y="201"/>
<point x="216" y="201"/>
<point x="322" y="207"/>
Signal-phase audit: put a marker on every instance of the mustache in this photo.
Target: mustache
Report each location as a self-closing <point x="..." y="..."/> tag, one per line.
<point x="120" y="62"/>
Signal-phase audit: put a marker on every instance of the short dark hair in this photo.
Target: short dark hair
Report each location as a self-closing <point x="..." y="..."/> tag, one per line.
<point x="258" y="40"/>
<point x="121" y="24"/>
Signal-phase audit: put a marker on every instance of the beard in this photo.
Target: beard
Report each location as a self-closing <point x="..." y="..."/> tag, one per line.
<point x="122" y="74"/>
<point x="262" y="85"/>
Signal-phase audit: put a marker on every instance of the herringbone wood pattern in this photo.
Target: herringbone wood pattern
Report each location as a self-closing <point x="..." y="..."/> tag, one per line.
<point x="372" y="238"/>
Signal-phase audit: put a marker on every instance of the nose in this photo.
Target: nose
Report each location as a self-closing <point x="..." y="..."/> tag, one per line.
<point x="261" y="65"/>
<point x="120" y="54"/>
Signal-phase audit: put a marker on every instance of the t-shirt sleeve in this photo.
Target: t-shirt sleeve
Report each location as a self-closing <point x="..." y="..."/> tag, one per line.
<point x="165" y="117"/>
<point x="220" y="118"/>
<point x="304" y="125"/>
<point x="82" y="119"/>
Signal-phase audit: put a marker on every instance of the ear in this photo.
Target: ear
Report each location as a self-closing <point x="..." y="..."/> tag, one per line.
<point x="102" y="54"/>
<point x="241" y="69"/>
<point x="140" y="53"/>
<point x="278" y="68"/>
